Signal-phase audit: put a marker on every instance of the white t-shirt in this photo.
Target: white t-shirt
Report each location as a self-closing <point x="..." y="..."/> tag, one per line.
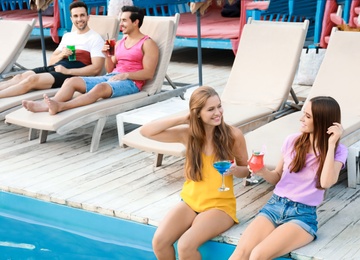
<point x="88" y="45"/>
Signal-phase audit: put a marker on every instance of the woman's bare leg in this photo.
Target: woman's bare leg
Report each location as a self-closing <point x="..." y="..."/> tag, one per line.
<point x="256" y="232"/>
<point x="175" y="223"/>
<point x="206" y="226"/>
<point x="281" y="241"/>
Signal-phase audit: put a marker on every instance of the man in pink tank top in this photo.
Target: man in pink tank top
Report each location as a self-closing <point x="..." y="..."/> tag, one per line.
<point x="135" y="61"/>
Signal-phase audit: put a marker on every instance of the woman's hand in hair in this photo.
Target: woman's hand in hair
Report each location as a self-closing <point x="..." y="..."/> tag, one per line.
<point x="335" y="131"/>
<point x="168" y="129"/>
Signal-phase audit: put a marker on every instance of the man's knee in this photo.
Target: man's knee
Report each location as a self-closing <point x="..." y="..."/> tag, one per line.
<point x="73" y="81"/>
<point x="66" y="80"/>
<point x="33" y="79"/>
<point x="30" y="82"/>
<point x="103" y="90"/>
<point x="75" y="84"/>
<point x="25" y="75"/>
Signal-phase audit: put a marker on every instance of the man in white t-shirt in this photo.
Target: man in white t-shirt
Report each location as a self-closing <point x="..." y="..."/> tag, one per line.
<point x="89" y="58"/>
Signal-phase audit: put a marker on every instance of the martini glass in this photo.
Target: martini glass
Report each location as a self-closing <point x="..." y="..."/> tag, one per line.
<point x="222" y="167"/>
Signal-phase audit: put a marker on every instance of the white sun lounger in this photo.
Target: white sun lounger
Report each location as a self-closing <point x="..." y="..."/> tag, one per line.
<point x="338" y="78"/>
<point x="104" y="25"/>
<point x="259" y="83"/>
<point x="17" y="34"/>
<point x="10" y="50"/>
<point x="263" y="71"/>
<point x="162" y="30"/>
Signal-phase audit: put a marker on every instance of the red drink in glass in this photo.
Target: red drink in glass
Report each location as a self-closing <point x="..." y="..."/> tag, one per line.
<point x="256" y="161"/>
<point x="111" y="44"/>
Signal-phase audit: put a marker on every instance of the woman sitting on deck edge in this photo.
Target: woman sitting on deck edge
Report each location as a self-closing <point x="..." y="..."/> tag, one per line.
<point x="203" y="212"/>
<point x="311" y="162"/>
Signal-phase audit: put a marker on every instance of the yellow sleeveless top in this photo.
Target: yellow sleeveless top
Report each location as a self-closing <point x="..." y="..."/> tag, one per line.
<point x="204" y="195"/>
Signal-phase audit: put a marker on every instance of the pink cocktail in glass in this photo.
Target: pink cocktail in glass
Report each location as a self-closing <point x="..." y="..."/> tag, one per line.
<point x="256" y="161"/>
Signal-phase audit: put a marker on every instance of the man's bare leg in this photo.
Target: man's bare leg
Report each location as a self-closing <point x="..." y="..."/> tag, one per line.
<point x="102" y="90"/>
<point x="31" y="82"/>
<point x="65" y="93"/>
<point x="15" y="80"/>
<point x="69" y="87"/>
<point x="35" y="106"/>
<point x="54" y="107"/>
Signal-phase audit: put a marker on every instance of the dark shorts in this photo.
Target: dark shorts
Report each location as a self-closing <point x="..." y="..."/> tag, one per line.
<point x="59" y="77"/>
<point x="282" y="210"/>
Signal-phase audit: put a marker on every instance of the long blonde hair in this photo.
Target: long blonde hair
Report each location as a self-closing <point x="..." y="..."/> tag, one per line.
<point x="325" y="111"/>
<point x="223" y="139"/>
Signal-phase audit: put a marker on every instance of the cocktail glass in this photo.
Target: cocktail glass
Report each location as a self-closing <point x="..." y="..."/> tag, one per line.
<point x="111" y="44"/>
<point x="255" y="163"/>
<point x="222" y="167"/>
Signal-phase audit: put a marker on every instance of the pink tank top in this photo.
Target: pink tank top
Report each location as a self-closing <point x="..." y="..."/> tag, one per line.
<point x="130" y="59"/>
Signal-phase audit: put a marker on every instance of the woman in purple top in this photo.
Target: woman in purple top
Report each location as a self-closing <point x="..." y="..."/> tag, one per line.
<point x="311" y="162"/>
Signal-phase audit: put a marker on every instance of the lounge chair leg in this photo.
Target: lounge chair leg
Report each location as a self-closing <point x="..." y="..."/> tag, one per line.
<point x="95" y="140"/>
<point x="33" y="134"/>
<point x="120" y="128"/>
<point x="20" y="66"/>
<point x="352" y="166"/>
<point x="172" y="84"/>
<point x="43" y="136"/>
<point x="293" y="95"/>
<point x="158" y="160"/>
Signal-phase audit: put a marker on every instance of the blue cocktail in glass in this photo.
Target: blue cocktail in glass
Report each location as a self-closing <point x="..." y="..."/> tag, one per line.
<point x="222" y="167"/>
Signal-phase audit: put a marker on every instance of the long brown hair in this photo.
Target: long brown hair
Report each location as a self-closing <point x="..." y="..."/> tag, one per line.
<point x="325" y="111"/>
<point x="223" y="138"/>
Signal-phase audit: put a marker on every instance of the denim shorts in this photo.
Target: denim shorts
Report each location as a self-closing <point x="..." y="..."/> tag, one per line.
<point x="119" y="87"/>
<point x="282" y="210"/>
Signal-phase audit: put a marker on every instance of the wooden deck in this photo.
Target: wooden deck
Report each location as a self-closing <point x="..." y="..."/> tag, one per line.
<point x="122" y="182"/>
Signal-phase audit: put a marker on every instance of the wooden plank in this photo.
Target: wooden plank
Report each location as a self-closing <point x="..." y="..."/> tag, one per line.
<point x="336" y="214"/>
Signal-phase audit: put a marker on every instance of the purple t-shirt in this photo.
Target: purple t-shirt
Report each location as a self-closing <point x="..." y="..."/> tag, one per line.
<point x="301" y="186"/>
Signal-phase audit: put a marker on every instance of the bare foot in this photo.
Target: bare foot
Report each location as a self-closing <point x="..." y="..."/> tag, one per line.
<point x="35" y="106"/>
<point x="53" y="105"/>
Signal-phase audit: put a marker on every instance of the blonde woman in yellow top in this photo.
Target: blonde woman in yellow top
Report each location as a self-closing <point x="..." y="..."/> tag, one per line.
<point x="203" y="212"/>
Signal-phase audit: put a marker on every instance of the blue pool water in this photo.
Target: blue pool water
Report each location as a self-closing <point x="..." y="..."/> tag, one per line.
<point x="33" y="229"/>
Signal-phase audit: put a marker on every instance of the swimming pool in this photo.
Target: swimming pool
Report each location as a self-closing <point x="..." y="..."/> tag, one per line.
<point x="34" y="229"/>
